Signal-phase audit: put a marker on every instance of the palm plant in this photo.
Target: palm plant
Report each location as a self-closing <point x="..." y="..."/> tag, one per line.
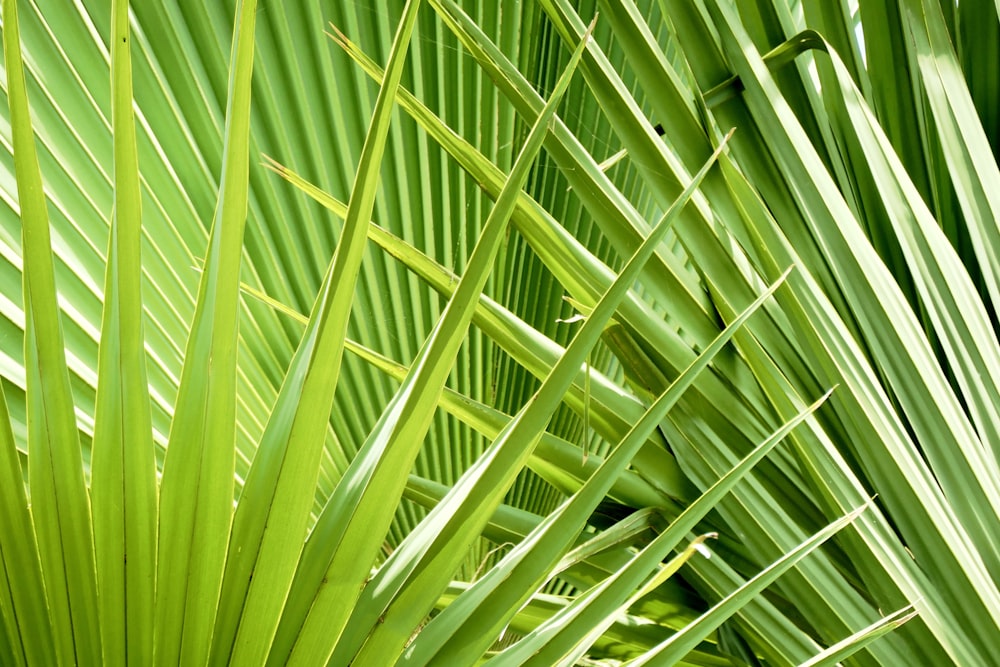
<point x="730" y="393"/>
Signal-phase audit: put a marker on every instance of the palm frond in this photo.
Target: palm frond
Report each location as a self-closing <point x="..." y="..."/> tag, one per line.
<point x="191" y="469"/>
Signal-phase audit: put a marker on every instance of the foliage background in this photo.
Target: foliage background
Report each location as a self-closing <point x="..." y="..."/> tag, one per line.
<point x="876" y="174"/>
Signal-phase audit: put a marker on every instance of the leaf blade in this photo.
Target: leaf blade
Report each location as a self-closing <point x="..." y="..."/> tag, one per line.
<point x="196" y="491"/>
<point x="123" y="463"/>
<point x="61" y="505"/>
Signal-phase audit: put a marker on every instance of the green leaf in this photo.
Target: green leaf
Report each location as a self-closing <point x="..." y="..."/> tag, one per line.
<point x="613" y="410"/>
<point x="454" y="522"/>
<point x="26" y="619"/>
<point x="477" y="618"/>
<point x="866" y="155"/>
<point x="196" y="491"/>
<point x="123" y="464"/>
<point x="555" y="642"/>
<point x="261" y="564"/>
<point x="675" y="648"/>
<point x="60" y="503"/>
<point x="583" y="619"/>
<point x="379" y="472"/>
<point x="851" y="645"/>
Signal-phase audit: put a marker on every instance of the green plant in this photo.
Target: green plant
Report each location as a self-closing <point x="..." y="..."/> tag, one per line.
<point x="779" y="323"/>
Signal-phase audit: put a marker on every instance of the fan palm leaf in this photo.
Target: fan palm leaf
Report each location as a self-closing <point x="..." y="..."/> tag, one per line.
<point x="206" y="206"/>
